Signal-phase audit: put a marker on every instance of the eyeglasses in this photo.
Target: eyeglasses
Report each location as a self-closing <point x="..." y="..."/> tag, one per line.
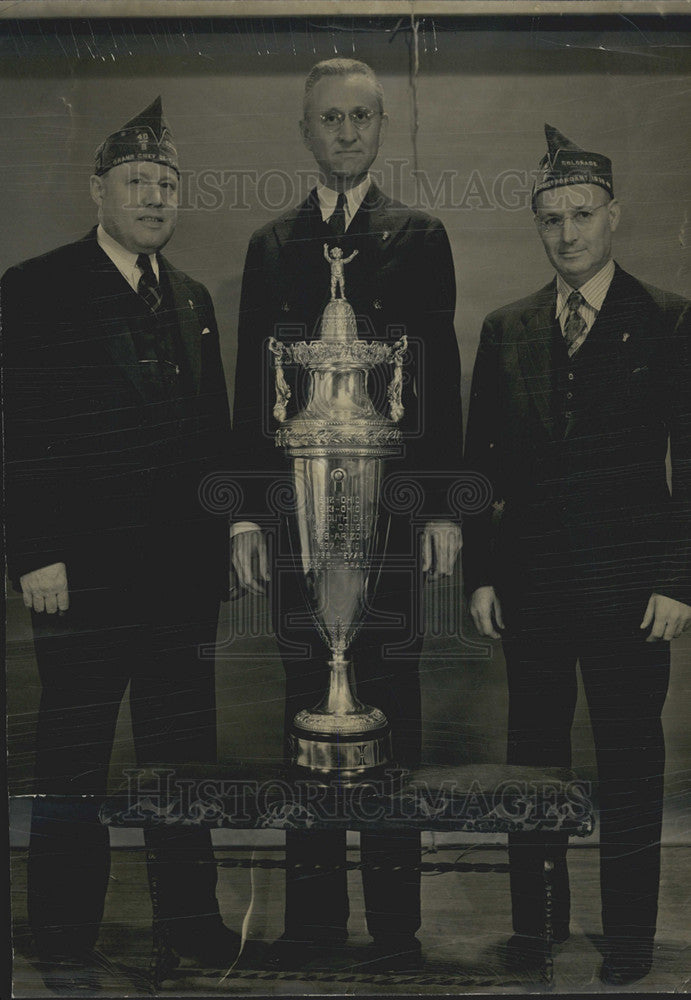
<point x="361" y="118"/>
<point x="582" y="218"/>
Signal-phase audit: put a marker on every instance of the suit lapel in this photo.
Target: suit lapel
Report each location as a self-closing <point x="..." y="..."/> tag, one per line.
<point x="116" y="311"/>
<point x="622" y="314"/>
<point x="376" y="228"/>
<point x="535" y="353"/>
<point x="187" y="319"/>
<point x="375" y="232"/>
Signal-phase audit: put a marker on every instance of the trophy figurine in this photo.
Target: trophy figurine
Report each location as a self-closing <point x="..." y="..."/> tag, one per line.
<point x="337" y="445"/>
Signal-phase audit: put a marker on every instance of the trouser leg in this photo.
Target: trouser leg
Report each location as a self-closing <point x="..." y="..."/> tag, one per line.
<point x="391" y="858"/>
<point x="69" y="857"/>
<point x="316" y="878"/>
<point x="626" y="684"/>
<point x="542" y="700"/>
<point x="173" y="707"/>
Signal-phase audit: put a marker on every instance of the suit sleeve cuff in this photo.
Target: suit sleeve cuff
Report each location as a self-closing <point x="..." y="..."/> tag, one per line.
<point x="240" y="526"/>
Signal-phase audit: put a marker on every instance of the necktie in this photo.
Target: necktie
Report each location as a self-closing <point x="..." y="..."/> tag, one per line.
<point x="337" y="220"/>
<point x="147" y="285"/>
<point x="575" y="326"/>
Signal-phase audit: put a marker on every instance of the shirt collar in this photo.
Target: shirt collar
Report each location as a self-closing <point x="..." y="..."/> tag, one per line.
<point x="593" y="291"/>
<point x="124" y="260"/>
<point x="354" y="198"/>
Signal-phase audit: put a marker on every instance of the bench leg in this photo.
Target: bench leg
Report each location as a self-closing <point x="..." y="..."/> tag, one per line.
<point x="163" y="958"/>
<point x="547" y="872"/>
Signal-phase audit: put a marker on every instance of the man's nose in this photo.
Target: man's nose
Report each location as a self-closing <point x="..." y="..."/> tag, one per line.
<point x="153" y="195"/>
<point x="569" y="232"/>
<point x="347" y="131"/>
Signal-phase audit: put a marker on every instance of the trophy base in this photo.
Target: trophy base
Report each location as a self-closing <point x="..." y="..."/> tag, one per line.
<point x="345" y="757"/>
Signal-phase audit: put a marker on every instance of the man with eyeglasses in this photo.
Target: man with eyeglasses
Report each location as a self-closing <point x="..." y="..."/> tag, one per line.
<point x="116" y="408"/>
<point x="400" y="279"/>
<point x="576" y="392"/>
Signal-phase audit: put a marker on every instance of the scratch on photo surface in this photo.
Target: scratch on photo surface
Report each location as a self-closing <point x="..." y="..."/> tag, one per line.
<point x="246" y="921"/>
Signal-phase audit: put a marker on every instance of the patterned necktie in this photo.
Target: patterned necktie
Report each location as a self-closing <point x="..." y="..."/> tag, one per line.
<point x="337" y="220"/>
<point x="575" y="327"/>
<point x="147" y="286"/>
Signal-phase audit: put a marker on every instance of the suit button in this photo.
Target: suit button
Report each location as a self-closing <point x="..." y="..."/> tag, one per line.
<point x="569" y="395"/>
<point x="571" y="376"/>
<point x="377" y="304"/>
<point x="285" y="307"/>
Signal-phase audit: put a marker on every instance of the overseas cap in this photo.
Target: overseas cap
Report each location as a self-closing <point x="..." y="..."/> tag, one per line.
<point x="566" y="163"/>
<point x="145" y="137"/>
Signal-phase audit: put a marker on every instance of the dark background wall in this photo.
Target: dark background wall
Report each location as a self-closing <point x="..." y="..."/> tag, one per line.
<point x="232" y="92"/>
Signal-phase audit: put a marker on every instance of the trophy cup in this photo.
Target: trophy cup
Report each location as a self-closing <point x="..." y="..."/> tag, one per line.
<point x="337" y="445"/>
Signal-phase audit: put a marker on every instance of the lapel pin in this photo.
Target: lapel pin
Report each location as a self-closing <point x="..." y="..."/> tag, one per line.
<point x="625" y="337"/>
<point x="191" y="303"/>
<point x="385" y="235"/>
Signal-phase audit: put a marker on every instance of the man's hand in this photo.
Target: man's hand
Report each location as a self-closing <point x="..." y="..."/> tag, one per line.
<point x="485" y="609"/>
<point x="249" y="557"/>
<point x="45" y="589"/>
<point x="669" y="618"/>
<point x="441" y="543"/>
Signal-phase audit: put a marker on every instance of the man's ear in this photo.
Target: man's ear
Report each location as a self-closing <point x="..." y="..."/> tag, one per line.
<point x="614" y="213"/>
<point x="96" y="189"/>
<point x="305" y="133"/>
<point x="383" y="128"/>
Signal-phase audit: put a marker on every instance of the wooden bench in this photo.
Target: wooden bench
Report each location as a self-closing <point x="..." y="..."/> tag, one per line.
<point x="474" y="799"/>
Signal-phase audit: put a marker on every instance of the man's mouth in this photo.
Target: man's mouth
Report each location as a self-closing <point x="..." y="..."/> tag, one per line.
<point x="150" y="218"/>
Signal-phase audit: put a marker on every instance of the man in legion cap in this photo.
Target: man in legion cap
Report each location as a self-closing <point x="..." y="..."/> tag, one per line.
<point x="584" y="557"/>
<point x="115" y="411"/>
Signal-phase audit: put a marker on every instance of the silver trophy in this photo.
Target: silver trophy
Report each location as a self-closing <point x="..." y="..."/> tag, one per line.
<point x="337" y="445"/>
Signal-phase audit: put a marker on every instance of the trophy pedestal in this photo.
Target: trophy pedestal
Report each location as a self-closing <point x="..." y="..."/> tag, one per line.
<point x="328" y="758"/>
<point x="340" y="738"/>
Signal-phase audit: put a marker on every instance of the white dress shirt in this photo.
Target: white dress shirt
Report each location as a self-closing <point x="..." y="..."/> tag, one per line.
<point x="353" y="199"/>
<point x="124" y="260"/>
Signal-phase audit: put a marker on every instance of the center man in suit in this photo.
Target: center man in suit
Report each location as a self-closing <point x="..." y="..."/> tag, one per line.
<point x="116" y="410"/>
<point x="577" y="390"/>
<point x="401" y="280"/>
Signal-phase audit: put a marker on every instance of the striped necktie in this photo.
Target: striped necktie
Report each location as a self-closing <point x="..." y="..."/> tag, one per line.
<point x="147" y="286"/>
<point x="337" y="220"/>
<point x="575" y="328"/>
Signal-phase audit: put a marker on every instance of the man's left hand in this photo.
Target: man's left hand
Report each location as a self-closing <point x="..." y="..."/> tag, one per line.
<point x="668" y="618"/>
<point x="441" y="543"/>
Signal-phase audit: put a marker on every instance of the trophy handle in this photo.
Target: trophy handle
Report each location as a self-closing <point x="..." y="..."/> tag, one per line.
<point x="395" y="390"/>
<point x="283" y="392"/>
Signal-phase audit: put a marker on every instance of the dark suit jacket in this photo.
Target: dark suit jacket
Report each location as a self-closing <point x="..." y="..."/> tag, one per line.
<point x="583" y="510"/>
<point x="93" y="464"/>
<point x="402" y="281"/>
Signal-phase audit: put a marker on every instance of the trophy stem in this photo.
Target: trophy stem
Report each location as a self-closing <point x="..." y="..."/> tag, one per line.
<point x="340" y="698"/>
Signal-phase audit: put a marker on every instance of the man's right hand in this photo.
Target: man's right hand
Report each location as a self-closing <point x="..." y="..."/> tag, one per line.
<point x="45" y="589"/>
<point x="250" y="561"/>
<point x="485" y="609"/>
